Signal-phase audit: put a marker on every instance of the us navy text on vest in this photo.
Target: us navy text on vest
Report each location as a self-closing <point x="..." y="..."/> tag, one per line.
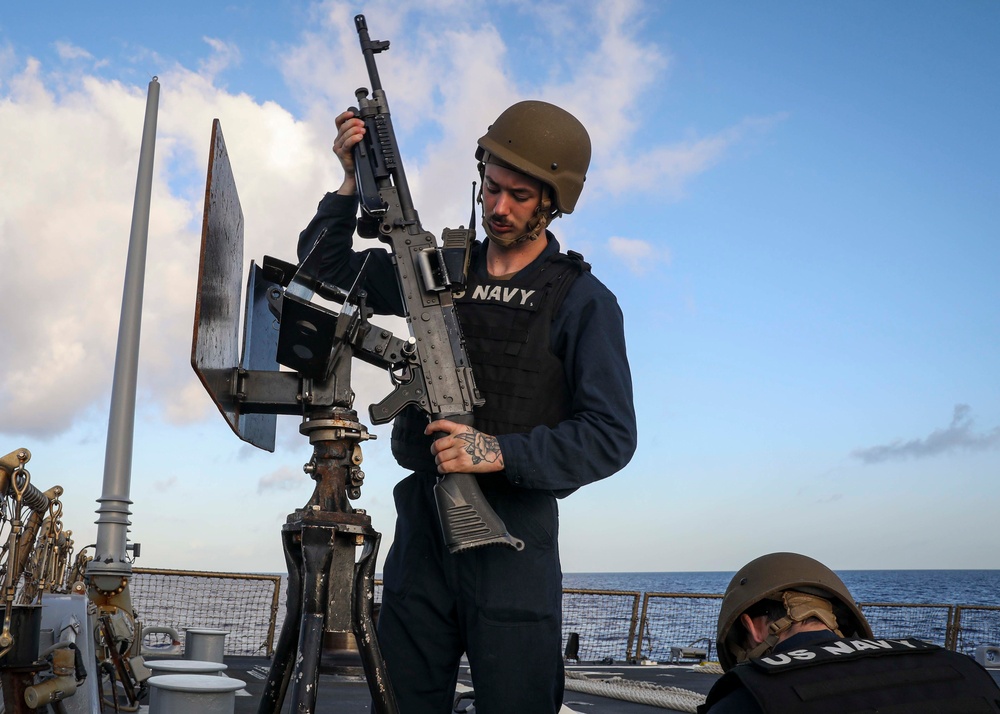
<point x="839" y="650"/>
<point x="489" y="292"/>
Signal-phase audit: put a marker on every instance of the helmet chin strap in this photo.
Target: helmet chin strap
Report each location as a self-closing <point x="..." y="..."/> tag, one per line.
<point x="799" y="607"/>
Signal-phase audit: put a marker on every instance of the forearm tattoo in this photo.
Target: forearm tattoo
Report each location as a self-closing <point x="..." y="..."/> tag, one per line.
<point x="482" y="447"/>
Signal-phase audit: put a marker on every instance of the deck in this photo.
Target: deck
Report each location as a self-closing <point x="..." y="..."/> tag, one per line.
<point x="344" y="689"/>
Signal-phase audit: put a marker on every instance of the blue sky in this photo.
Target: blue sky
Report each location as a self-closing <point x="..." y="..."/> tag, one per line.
<point x="796" y="204"/>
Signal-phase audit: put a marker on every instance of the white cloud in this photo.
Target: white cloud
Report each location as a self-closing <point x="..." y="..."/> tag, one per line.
<point x="64" y="223"/>
<point x="640" y="256"/>
<point x="224" y="55"/>
<point x="64" y="231"/>
<point x="455" y="77"/>
<point x="668" y="169"/>
<point x="68" y="51"/>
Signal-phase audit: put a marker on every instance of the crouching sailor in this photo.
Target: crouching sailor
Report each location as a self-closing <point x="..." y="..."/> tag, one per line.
<point x="791" y="639"/>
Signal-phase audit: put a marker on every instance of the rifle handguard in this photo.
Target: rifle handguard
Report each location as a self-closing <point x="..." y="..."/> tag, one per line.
<point x="467" y="519"/>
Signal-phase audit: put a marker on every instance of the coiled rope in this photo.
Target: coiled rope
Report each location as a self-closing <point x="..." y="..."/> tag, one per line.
<point x="710" y="668"/>
<point x="638" y="692"/>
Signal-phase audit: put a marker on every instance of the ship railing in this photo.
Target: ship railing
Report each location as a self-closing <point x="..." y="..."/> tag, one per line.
<point x="675" y="627"/>
<point x="612" y="626"/>
<point x="678" y="627"/>
<point x="930" y="622"/>
<point x="243" y="604"/>
<point x="975" y="626"/>
<point x="599" y="624"/>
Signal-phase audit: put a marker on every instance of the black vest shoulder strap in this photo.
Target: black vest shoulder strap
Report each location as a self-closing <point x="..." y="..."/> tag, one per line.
<point x="578" y="258"/>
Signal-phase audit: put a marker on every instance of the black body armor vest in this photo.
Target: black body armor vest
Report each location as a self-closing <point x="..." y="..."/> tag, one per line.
<point x="854" y="675"/>
<point x="506" y="325"/>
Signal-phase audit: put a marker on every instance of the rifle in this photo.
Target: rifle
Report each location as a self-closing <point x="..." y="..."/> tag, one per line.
<point x="440" y="380"/>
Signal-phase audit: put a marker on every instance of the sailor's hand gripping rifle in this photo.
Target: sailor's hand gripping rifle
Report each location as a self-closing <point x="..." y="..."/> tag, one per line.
<point x="438" y="376"/>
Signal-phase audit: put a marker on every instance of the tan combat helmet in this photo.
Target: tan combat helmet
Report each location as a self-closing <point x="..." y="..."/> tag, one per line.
<point x="542" y="141"/>
<point x="783" y="577"/>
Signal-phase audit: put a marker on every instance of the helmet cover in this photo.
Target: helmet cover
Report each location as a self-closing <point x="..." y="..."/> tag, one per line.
<point x="542" y="141"/>
<point x="769" y="577"/>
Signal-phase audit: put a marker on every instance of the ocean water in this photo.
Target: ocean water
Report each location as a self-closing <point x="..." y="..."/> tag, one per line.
<point x="949" y="587"/>
<point x="879" y="591"/>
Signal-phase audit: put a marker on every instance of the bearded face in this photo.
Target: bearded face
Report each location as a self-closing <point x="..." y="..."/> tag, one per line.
<point x="515" y="206"/>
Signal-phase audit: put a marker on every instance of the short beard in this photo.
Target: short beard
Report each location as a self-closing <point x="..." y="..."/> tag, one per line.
<point x="507" y="241"/>
<point x="536" y="225"/>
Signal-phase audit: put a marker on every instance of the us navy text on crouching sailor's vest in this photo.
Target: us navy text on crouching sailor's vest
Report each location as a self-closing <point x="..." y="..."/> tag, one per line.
<point x="839" y="650"/>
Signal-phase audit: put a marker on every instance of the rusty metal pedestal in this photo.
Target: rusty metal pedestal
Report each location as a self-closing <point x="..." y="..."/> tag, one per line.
<point x="330" y="587"/>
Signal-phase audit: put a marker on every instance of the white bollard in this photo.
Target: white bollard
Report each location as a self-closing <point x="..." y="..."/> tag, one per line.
<point x="193" y="694"/>
<point x="185" y="666"/>
<point x="205" y="644"/>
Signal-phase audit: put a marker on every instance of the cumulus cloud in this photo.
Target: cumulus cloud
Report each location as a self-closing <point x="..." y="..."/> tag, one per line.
<point x="64" y="221"/>
<point x="639" y="255"/>
<point x="453" y="75"/>
<point x="957" y="436"/>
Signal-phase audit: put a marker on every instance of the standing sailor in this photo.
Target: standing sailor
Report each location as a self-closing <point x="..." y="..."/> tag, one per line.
<point x="546" y="342"/>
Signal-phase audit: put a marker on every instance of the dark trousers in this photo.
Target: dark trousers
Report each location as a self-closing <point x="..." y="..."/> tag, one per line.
<point x="500" y="607"/>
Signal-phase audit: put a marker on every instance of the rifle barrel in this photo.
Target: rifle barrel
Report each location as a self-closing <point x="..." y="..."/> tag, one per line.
<point x="369" y="49"/>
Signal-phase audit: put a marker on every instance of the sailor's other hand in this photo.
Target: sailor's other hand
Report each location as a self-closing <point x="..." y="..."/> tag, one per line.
<point x="463" y="449"/>
<point x="350" y="130"/>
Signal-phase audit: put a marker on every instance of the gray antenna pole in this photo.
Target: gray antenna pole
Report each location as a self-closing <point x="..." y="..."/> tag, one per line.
<point x="110" y="569"/>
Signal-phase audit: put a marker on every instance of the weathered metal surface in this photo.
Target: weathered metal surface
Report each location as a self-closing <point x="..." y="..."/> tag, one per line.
<point x="215" y="344"/>
<point x="217" y="305"/>
<point x="329" y="588"/>
<point x="260" y="344"/>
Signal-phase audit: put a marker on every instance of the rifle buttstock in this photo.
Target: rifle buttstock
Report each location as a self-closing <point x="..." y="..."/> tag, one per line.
<point x="467" y="519"/>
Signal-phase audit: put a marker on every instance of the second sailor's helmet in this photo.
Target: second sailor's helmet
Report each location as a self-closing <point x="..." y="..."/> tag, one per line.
<point x="803" y="585"/>
<point x="542" y="141"/>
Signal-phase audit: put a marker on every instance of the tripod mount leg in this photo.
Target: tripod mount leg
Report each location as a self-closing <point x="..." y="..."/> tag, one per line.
<point x="332" y="588"/>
